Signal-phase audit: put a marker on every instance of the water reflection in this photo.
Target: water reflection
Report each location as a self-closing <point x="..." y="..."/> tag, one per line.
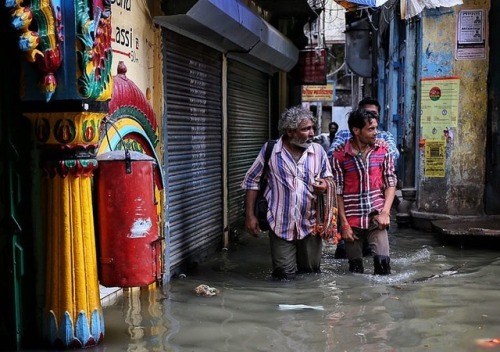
<point x="438" y="298"/>
<point x="136" y="322"/>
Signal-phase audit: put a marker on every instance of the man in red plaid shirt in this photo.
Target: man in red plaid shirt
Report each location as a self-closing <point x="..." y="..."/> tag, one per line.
<point x="366" y="185"/>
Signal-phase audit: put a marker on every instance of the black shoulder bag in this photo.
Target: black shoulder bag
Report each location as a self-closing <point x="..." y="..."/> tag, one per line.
<point x="261" y="205"/>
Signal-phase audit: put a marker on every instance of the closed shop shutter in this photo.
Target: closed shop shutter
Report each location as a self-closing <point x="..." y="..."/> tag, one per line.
<point x="248" y="127"/>
<point x="194" y="149"/>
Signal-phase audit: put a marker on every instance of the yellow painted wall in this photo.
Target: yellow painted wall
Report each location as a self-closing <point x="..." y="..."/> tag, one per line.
<point x="460" y="189"/>
<point x="137" y="42"/>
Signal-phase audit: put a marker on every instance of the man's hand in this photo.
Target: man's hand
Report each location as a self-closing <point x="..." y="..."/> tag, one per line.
<point x="347" y="234"/>
<point x="252" y="225"/>
<point x="251" y="221"/>
<point x="383" y="219"/>
<point x="319" y="186"/>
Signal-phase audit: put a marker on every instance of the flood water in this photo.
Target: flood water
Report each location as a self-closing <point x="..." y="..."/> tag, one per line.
<point x="438" y="298"/>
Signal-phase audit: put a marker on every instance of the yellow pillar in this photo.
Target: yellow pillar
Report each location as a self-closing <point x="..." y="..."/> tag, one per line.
<point x="72" y="312"/>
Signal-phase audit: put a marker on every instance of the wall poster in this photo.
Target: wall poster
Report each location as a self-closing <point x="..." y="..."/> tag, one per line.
<point x="434" y="159"/>
<point x="438" y="120"/>
<point x="471" y="33"/>
<point x="438" y="106"/>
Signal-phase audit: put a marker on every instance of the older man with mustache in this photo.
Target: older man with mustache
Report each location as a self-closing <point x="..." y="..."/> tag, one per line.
<point x="298" y="171"/>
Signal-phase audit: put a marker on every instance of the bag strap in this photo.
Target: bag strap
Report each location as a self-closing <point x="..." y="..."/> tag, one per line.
<point x="267" y="156"/>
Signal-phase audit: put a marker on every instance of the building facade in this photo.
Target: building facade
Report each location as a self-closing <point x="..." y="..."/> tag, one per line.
<point x="437" y="85"/>
<point x="432" y="67"/>
<point x="196" y="87"/>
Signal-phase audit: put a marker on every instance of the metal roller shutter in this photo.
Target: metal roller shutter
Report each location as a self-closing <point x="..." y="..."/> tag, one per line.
<point x="248" y="127"/>
<point x="194" y="152"/>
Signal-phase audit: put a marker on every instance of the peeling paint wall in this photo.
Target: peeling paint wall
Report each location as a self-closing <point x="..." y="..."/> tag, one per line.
<point x="460" y="190"/>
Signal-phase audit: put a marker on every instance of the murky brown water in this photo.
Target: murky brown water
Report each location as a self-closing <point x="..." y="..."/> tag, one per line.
<point x="439" y="298"/>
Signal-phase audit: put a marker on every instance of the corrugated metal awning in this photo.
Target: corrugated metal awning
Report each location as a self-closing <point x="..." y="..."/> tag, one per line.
<point x="231" y="27"/>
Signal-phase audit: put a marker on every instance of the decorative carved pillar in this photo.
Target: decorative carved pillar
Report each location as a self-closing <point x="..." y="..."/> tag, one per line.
<point x="72" y="315"/>
<point x="66" y="99"/>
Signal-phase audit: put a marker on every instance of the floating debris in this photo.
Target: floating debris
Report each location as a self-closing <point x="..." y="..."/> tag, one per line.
<point x="451" y="271"/>
<point x="298" y="307"/>
<point x="205" y="290"/>
<point x="488" y="343"/>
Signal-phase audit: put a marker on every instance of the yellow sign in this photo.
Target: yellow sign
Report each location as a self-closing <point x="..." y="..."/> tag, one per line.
<point x="439" y="106"/>
<point x="317" y="93"/>
<point x="434" y="158"/>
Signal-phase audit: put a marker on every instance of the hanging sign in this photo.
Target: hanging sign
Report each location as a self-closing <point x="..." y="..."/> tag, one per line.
<point x="312" y="64"/>
<point x="317" y="93"/>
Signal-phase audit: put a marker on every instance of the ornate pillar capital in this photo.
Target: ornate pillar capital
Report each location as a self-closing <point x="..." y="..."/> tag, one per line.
<point x="67" y="129"/>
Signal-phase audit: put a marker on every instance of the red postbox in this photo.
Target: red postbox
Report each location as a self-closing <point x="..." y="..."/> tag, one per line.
<point x="129" y="244"/>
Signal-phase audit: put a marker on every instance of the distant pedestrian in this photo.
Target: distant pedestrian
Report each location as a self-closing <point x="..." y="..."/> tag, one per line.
<point x="326" y="139"/>
<point x="370" y="104"/>
<point x="366" y="185"/>
<point x="298" y="171"/>
<point x="333" y="127"/>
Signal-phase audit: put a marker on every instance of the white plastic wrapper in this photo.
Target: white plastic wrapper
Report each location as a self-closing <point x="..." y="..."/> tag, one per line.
<point x="411" y="8"/>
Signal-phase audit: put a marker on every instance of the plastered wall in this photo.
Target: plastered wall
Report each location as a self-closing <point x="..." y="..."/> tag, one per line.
<point x="451" y="171"/>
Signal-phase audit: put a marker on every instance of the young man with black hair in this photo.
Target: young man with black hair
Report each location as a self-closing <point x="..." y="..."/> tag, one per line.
<point x="363" y="171"/>
<point x="342" y="136"/>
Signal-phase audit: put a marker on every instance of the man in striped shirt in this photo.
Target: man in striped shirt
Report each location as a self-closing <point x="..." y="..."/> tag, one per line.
<point x="297" y="169"/>
<point x="363" y="171"/>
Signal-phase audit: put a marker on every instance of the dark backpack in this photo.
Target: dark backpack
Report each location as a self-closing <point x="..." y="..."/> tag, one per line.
<point x="261" y="205"/>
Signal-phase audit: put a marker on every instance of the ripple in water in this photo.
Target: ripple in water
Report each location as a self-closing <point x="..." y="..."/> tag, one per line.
<point x="421" y="255"/>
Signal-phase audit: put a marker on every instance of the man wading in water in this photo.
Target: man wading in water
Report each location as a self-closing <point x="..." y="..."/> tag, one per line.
<point x="298" y="171"/>
<point x="366" y="185"/>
